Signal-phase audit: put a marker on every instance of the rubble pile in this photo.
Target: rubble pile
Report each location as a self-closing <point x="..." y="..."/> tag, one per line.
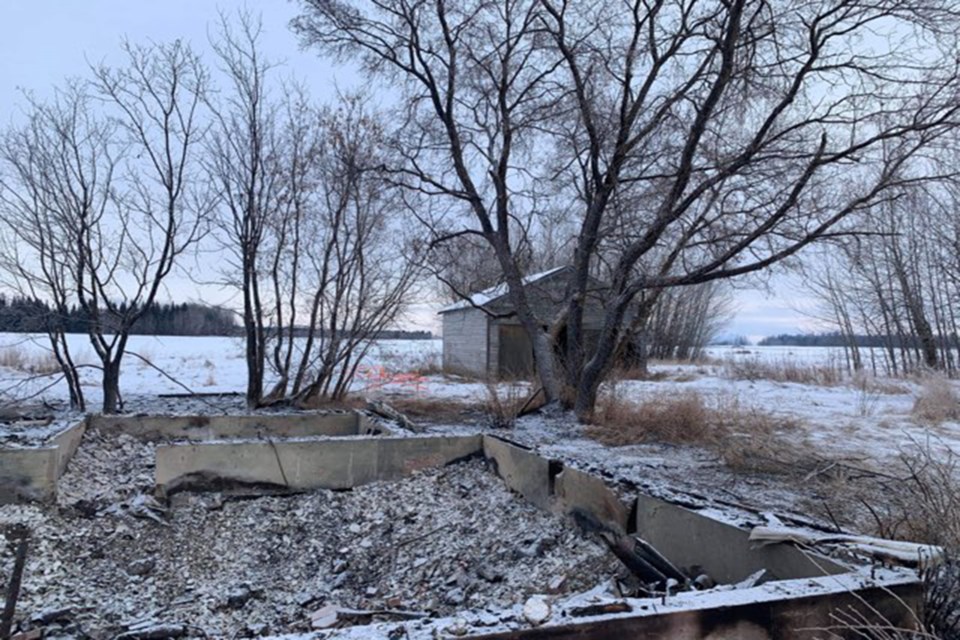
<point x="108" y="560"/>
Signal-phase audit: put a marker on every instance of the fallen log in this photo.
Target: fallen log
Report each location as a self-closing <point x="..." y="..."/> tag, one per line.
<point x="382" y="409"/>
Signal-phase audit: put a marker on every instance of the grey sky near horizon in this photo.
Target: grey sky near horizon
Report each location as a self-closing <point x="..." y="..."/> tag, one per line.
<point x="43" y="42"/>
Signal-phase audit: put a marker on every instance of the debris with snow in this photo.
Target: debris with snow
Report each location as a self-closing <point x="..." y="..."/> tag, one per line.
<point x="440" y="542"/>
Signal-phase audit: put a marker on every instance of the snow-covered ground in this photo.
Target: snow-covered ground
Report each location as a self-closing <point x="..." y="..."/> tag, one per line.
<point x="863" y="422"/>
<point x="859" y="419"/>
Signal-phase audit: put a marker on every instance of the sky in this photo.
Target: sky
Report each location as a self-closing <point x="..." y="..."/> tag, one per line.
<point x="43" y="42"/>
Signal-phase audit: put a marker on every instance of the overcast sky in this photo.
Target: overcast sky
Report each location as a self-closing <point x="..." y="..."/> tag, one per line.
<point x="45" y="41"/>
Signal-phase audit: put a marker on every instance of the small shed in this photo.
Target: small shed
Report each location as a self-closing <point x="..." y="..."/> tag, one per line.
<point x="483" y="338"/>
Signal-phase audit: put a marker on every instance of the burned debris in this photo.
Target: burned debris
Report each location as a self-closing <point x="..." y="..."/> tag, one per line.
<point x="362" y="536"/>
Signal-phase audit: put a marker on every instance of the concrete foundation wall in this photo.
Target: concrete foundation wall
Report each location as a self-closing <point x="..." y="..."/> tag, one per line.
<point x="785" y="618"/>
<point x="32" y="473"/>
<point x="521" y="470"/>
<point x="576" y="491"/>
<point x="723" y="550"/>
<point x="686" y="537"/>
<point x="201" y="428"/>
<point x="328" y="464"/>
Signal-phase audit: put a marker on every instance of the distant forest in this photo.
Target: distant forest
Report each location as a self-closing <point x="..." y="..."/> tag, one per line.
<point x="838" y="339"/>
<point x="25" y="315"/>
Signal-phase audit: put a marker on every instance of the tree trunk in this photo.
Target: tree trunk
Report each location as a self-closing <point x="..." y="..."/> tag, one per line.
<point x="111" y="385"/>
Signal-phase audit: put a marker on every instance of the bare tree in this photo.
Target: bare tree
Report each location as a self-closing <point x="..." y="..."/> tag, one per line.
<point x="154" y="106"/>
<point x="98" y="196"/>
<point x="348" y="265"/>
<point x="240" y="156"/>
<point x="897" y="289"/>
<point x="56" y="171"/>
<point x="319" y="259"/>
<point x="743" y="131"/>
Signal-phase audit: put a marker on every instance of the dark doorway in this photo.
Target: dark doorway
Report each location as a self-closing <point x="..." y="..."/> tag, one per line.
<point x="515" y="359"/>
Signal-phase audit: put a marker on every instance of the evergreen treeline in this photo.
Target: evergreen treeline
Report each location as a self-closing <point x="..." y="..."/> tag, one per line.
<point x="838" y="339"/>
<point x="25" y="315"/>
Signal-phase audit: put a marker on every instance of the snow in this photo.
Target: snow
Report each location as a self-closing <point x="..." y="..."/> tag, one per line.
<point x="496" y="292"/>
<point x="866" y="422"/>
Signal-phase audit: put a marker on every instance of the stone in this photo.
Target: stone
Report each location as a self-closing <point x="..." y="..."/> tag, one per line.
<point x="557" y="583"/>
<point x="536" y="610"/>
<point x="458" y="628"/>
<point x="324" y="617"/>
<point x="490" y="574"/>
<point x="238" y="597"/>
<point x="141" y="567"/>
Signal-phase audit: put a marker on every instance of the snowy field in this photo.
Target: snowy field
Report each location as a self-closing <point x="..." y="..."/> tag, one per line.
<point x="863" y="418"/>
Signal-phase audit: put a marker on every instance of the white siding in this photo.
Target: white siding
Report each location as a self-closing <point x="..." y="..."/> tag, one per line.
<point x="465" y="342"/>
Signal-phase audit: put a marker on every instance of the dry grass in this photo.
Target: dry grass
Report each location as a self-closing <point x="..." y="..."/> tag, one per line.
<point x="13" y="357"/>
<point x="922" y="502"/>
<point x="439" y="410"/>
<point x="504" y="403"/>
<point x="937" y="402"/>
<point x="746" y="438"/>
<point x="917" y="499"/>
<point x="785" y="370"/>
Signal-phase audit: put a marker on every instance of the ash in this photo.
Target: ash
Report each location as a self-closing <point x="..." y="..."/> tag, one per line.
<point x="107" y="560"/>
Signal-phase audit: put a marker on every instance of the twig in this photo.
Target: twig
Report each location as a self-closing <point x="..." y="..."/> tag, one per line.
<point x="276" y="454"/>
<point x="422" y="536"/>
<point x="23" y="382"/>
<point x="172" y="379"/>
<point x="13" y="587"/>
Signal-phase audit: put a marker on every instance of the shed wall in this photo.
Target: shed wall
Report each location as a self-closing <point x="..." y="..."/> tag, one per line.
<point x="465" y="342"/>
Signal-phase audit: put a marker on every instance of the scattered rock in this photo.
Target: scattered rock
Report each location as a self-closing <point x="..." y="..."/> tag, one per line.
<point x="454" y="597"/>
<point x="490" y="574"/>
<point x="257" y="629"/>
<point x="536" y="610"/>
<point x="324" y="618"/>
<point x="238" y="597"/>
<point x="458" y="628"/>
<point x="141" y="567"/>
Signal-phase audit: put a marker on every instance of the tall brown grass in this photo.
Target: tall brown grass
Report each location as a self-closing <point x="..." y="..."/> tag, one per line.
<point x="936" y="402"/>
<point x="746" y="438"/>
<point x="14" y="357"/>
<point x="786" y="370"/>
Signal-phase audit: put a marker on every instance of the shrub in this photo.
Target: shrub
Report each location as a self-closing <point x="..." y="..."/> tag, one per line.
<point x="504" y="403"/>
<point x="936" y="402"/>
